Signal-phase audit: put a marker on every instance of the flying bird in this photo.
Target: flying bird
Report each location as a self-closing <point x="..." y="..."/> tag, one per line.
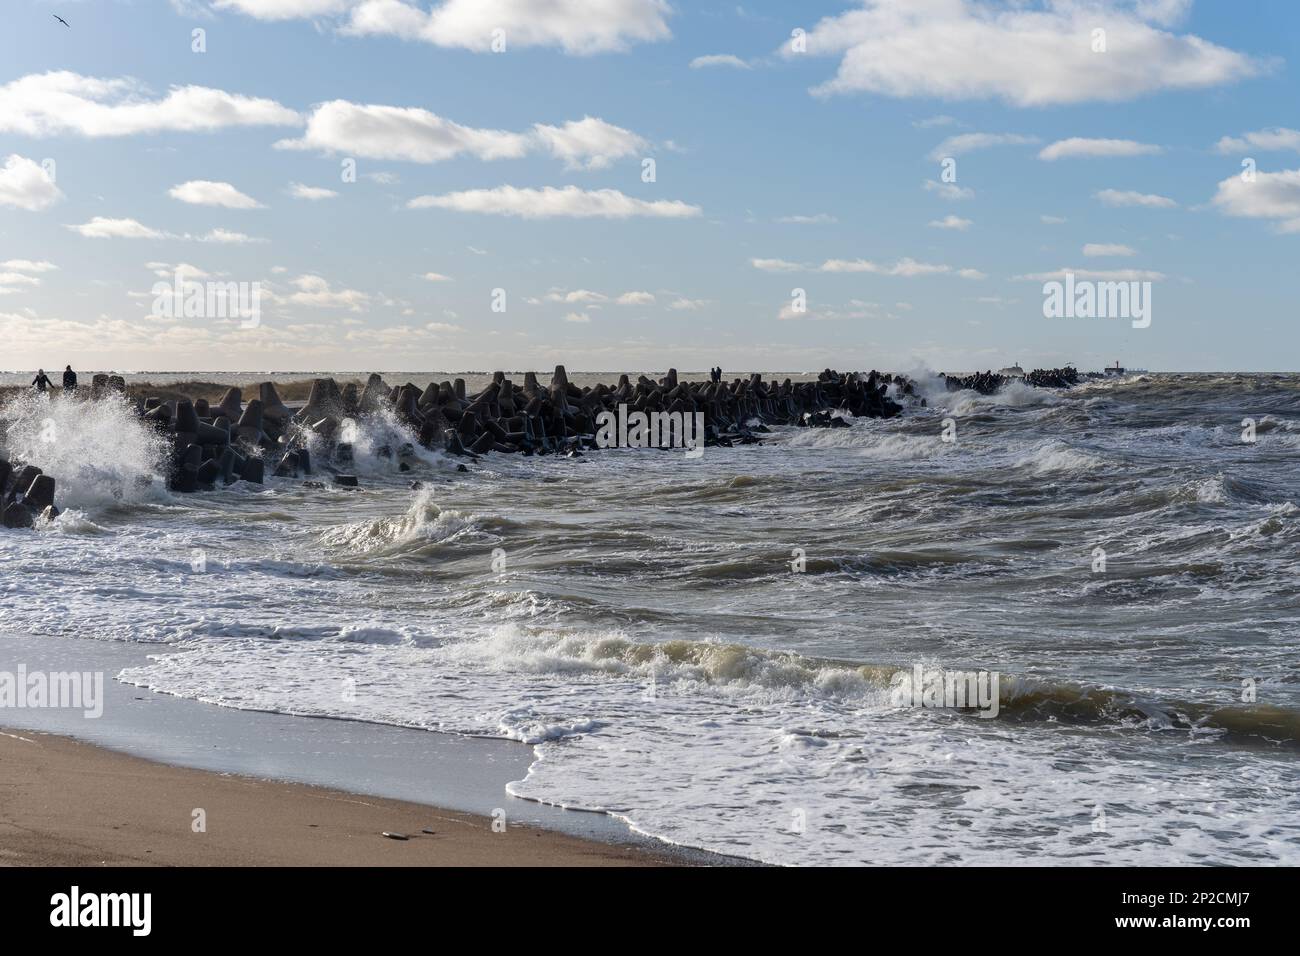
<point x="61" y="20"/>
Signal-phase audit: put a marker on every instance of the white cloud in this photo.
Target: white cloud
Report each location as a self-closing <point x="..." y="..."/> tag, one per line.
<point x="951" y="222"/>
<point x="589" y="143"/>
<point x="576" y="296"/>
<point x="905" y="267"/>
<point x="1079" y="146"/>
<point x="581" y="317"/>
<point x="1270" y="196"/>
<point x="26" y="184"/>
<point x="285" y="9"/>
<point x="396" y="132"/>
<point x="576" y="26"/>
<point x="683" y="304"/>
<point x="419" y="136"/>
<point x="636" y="298"/>
<point x="550" y="202"/>
<point x="224" y="236"/>
<point x="27" y="265"/>
<point x="1098" y="249"/>
<point x="205" y="192"/>
<point x="101" y="227"/>
<point x="776" y="265"/>
<point x="1052" y="220"/>
<point x="18" y="278"/>
<point x="949" y="190"/>
<point x="1026" y="56"/>
<point x="1120" y="197"/>
<point x="48" y="104"/>
<point x="1277" y="138"/>
<point x="719" y="59"/>
<point x="315" y="291"/>
<point x="815" y="219"/>
<point x="310" y="193"/>
<point x="970" y="142"/>
<point x="933" y="121"/>
<point x="436" y="277"/>
<point x="1104" y="275"/>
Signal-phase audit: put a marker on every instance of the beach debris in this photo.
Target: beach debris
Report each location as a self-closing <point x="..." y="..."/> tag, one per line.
<point x="395" y="836"/>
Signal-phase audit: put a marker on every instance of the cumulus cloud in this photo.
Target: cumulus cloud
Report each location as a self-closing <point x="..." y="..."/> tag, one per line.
<point x="101" y="227"/>
<point x="970" y="142"/>
<point x="906" y="267"/>
<point x="419" y="136"/>
<point x="436" y="277"/>
<point x="1121" y="197"/>
<point x="1103" y="275"/>
<point x="1079" y="146"/>
<point x="577" y="27"/>
<point x="205" y="192"/>
<point x="948" y="190"/>
<point x="54" y="103"/>
<point x="310" y="193"/>
<point x="28" y="265"/>
<point x="719" y="59"/>
<point x="588" y="143"/>
<point x="315" y="291"/>
<point x="576" y="296"/>
<point x="636" y="298"/>
<point x="1026" y="56"/>
<point x="951" y="222"/>
<point x="551" y="202"/>
<point x="1100" y="249"/>
<point x="396" y="132"/>
<point x="1271" y="196"/>
<point x="285" y="9"/>
<point x="26" y="184"/>
<point x="581" y="317"/>
<point x="1269" y="140"/>
<point x="776" y="265"/>
<point x="224" y="236"/>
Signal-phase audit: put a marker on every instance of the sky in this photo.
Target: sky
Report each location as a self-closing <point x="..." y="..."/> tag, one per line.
<point x="638" y="184"/>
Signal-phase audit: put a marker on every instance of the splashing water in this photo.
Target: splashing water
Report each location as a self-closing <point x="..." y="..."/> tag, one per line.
<point x="99" y="452"/>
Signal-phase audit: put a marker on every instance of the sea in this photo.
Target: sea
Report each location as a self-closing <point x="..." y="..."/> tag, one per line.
<point x="711" y="648"/>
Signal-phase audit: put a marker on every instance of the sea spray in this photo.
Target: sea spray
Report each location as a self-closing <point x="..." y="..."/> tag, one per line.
<point x="100" y="453"/>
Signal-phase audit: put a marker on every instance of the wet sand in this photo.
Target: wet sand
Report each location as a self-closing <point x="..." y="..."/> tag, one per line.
<point x="67" y="803"/>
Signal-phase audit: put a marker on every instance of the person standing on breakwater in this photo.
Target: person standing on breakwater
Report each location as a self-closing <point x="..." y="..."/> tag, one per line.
<point x="69" y="380"/>
<point x="41" y="381"/>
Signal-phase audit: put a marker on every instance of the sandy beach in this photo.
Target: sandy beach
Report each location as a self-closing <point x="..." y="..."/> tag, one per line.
<point x="67" y="803"/>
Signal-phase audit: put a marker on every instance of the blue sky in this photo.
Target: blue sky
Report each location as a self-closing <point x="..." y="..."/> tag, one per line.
<point x="125" y="156"/>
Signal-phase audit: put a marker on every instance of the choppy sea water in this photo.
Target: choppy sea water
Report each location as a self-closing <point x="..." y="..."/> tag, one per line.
<point x="636" y="615"/>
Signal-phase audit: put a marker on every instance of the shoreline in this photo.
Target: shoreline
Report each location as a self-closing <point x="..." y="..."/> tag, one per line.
<point x="70" y="803"/>
<point x="441" y="773"/>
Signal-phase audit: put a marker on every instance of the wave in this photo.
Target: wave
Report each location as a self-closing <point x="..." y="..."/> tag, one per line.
<point x="100" y="453"/>
<point x="690" y="666"/>
<point x="420" y="531"/>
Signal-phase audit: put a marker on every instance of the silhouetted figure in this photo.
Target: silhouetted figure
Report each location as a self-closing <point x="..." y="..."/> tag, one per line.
<point x="69" y="380"/>
<point x="41" y="381"/>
